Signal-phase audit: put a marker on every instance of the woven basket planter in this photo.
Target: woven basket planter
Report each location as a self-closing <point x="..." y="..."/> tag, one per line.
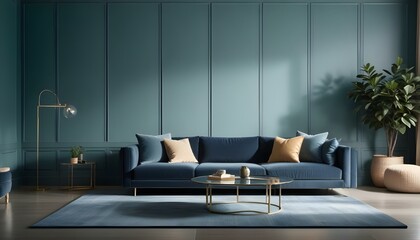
<point x="379" y="164"/>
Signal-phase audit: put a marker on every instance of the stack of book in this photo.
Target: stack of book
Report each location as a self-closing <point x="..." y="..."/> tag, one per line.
<point x="221" y="177"/>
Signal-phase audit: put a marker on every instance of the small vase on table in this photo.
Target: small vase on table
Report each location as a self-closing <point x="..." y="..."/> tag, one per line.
<point x="245" y="172"/>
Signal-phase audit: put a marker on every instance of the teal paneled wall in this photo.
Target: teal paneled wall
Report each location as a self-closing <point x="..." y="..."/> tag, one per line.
<point x="209" y="68"/>
<point x="39" y="70"/>
<point x="235" y="69"/>
<point x="334" y="65"/>
<point x="285" y="69"/>
<point x="8" y="77"/>
<point x="133" y="70"/>
<point x="185" y="69"/>
<point x="81" y="70"/>
<point x="9" y="87"/>
<point x="378" y="44"/>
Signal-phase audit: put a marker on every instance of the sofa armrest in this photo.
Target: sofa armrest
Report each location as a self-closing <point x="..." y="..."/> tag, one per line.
<point x="346" y="159"/>
<point x="130" y="159"/>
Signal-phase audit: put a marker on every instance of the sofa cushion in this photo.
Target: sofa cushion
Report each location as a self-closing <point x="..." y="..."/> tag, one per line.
<point x="303" y="170"/>
<point x="311" y="146"/>
<point x="231" y="168"/>
<point x="179" y="151"/>
<point x="164" y="171"/>
<point x="151" y="148"/>
<point x="286" y="150"/>
<point x="193" y="143"/>
<point x="328" y="151"/>
<point x="223" y="149"/>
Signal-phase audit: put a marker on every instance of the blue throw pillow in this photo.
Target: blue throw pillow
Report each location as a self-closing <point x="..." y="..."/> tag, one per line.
<point x="151" y="148"/>
<point x="311" y="147"/>
<point x="328" y="151"/>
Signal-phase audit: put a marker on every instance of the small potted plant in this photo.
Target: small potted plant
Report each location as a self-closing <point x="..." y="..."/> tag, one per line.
<point x="75" y="152"/>
<point x="388" y="101"/>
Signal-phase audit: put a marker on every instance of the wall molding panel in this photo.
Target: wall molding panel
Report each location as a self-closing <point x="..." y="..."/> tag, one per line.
<point x="185" y="68"/>
<point x="285" y="69"/>
<point x="207" y="68"/>
<point x="133" y="70"/>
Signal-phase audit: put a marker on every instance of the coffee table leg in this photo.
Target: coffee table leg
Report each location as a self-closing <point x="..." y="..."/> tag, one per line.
<point x="269" y="198"/>
<point x="279" y="196"/>
<point x="207" y="195"/>
<point x="266" y="193"/>
<point x="237" y="194"/>
<point x="210" y="196"/>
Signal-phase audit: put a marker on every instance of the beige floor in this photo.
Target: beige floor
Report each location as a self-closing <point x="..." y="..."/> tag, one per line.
<point x="28" y="206"/>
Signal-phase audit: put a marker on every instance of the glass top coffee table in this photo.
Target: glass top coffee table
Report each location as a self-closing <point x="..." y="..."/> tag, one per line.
<point x="253" y="181"/>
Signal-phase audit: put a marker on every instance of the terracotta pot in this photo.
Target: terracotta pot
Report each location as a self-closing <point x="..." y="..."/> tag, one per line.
<point x="74" y="160"/>
<point x="379" y="164"/>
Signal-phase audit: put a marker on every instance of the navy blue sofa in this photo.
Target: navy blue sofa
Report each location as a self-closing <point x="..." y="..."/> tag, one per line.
<point x="215" y="153"/>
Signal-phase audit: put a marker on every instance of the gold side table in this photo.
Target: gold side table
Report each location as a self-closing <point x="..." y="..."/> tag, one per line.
<point x="71" y="167"/>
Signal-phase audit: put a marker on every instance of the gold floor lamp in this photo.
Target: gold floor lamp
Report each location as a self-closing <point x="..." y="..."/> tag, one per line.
<point x="69" y="111"/>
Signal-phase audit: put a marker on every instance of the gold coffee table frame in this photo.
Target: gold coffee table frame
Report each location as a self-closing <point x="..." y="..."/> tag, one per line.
<point x="267" y="182"/>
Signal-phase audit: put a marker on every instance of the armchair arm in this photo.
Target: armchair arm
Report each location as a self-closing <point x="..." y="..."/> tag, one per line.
<point x="130" y="159"/>
<point x="346" y="159"/>
<point x="5" y="182"/>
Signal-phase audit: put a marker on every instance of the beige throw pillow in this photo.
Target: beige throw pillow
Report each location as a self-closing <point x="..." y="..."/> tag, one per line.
<point x="286" y="150"/>
<point x="179" y="151"/>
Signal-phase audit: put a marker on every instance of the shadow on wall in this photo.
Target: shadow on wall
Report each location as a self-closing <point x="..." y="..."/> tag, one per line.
<point x="332" y="110"/>
<point x="296" y="118"/>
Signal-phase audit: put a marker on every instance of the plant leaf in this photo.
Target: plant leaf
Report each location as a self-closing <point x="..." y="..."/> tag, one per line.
<point x="413" y="123"/>
<point x="405" y="121"/>
<point x="409" y="89"/>
<point x="409" y="106"/>
<point x="399" y="61"/>
<point x="387" y="72"/>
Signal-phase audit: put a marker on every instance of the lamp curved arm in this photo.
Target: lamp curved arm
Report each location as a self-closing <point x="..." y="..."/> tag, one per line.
<point x="69" y="110"/>
<point x="53" y="93"/>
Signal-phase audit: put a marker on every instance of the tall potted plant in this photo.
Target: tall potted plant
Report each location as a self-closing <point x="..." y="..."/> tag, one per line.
<point x="387" y="100"/>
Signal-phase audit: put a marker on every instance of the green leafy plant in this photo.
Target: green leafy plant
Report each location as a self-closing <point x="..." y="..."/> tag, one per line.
<point x="76" y="151"/>
<point x="387" y="100"/>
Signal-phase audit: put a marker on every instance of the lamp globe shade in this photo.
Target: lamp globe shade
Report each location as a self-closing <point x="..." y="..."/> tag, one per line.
<point x="69" y="111"/>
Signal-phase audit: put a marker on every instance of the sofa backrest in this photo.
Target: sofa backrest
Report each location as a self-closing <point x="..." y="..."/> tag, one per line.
<point x="228" y="149"/>
<point x="265" y="147"/>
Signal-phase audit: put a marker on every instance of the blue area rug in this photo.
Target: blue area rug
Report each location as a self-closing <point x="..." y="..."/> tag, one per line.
<point x="326" y="211"/>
